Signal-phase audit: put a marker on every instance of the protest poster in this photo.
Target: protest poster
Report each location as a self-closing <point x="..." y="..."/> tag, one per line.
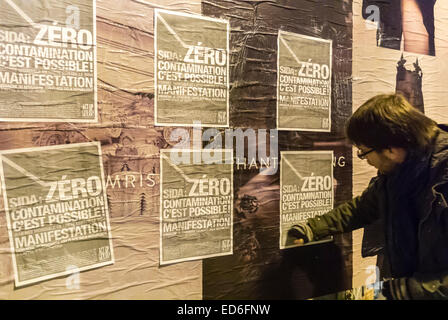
<point x="191" y="70"/>
<point x="196" y="204"/>
<point x="304" y="69"/>
<point x="57" y="212"/>
<point x="306" y="189"/>
<point x="48" y="61"/>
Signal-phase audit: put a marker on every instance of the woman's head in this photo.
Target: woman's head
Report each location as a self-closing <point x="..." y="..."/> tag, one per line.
<point x="389" y="120"/>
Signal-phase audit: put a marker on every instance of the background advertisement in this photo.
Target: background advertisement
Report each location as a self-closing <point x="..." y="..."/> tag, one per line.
<point x="191" y="68"/>
<point x="135" y="123"/>
<point x="304" y="83"/>
<point x="125" y="76"/>
<point x="48" y="61"/>
<point x="57" y="213"/>
<point x="261" y="269"/>
<point x="196" y="205"/>
<point x="306" y="188"/>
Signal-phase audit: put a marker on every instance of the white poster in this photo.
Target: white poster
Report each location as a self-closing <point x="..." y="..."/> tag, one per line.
<point x="303" y="83"/>
<point x="306" y="189"/>
<point x="196" y="204"/>
<point x="191" y="70"/>
<point x="56" y="209"/>
<point x="48" y="61"/>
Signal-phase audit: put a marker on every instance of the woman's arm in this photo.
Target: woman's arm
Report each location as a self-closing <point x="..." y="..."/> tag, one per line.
<point x="351" y="215"/>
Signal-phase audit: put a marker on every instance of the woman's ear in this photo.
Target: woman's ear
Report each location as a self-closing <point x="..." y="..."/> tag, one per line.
<point x="395" y="154"/>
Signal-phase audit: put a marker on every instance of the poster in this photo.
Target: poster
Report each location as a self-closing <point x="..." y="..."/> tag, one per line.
<point x="303" y="83"/>
<point x="404" y="25"/>
<point x="191" y="70"/>
<point x="56" y="209"/>
<point x="261" y="269"/>
<point x="306" y="188"/>
<point x="48" y="61"/>
<point x="196" y="204"/>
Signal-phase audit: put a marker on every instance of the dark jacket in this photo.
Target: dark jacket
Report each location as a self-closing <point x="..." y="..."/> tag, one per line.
<point x="411" y="207"/>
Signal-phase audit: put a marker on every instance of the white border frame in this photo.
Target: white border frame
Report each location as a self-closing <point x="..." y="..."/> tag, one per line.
<point x="312" y="152"/>
<point x="193" y="16"/>
<point x="330" y="42"/>
<point x="5" y="199"/>
<point x="95" y="86"/>
<point x="223" y="151"/>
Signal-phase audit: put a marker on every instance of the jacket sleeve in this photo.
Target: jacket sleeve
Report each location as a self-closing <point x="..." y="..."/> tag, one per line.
<point x="419" y="287"/>
<point x="426" y="286"/>
<point x="350" y="215"/>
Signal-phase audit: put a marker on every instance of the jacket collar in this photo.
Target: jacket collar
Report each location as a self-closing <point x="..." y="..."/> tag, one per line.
<point x="439" y="158"/>
<point x="438" y="169"/>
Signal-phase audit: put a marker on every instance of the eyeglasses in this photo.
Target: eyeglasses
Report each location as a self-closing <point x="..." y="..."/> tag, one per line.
<point x="362" y="155"/>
